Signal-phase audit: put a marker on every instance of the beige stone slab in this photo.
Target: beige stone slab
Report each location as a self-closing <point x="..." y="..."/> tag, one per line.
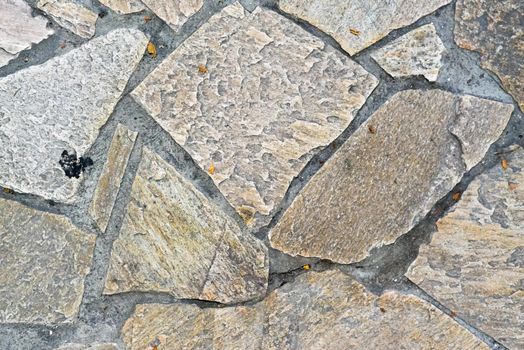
<point x="252" y="97"/>
<point x="495" y="30"/>
<point x="71" y="15"/>
<point x="175" y="240"/>
<point x="380" y="183"/>
<point x="19" y="29"/>
<point x="475" y="261"/>
<point x="124" y="6"/>
<point x="112" y="173"/>
<point x="44" y="261"/>
<point x="419" y="52"/>
<point x="174" y="12"/>
<point x="71" y="97"/>
<point x="358" y="24"/>
<point x="325" y="310"/>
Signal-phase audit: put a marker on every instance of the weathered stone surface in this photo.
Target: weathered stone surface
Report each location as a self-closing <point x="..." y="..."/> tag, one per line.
<point x="475" y="262"/>
<point x="44" y="260"/>
<point x="379" y="184"/>
<point x="495" y="29"/>
<point x="74" y="346"/>
<point x="19" y="29"/>
<point x="317" y="311"/>
<point x="175" y="240"/>
<point x="174" y="12"/>
<point x="265" y="96"/>
<point x="71" y="96"/>
<point x="358" y="24"/>
<point x="418" y="52"/>
<point x="112" y="174"/>
<point x="124" y="6"/>
<point x="71" y="15"/>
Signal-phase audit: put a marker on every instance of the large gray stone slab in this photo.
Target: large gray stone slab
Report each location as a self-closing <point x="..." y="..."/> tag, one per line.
<point x="495" y="29"/>
<point x="175" y="240"/>
<point x="71" y="15"/>
<point x="174" y="12"/>
<point x="251" y="96"/>
<point x="112" y="173"/>
<point x="124" y="6"/>
<point x="358" y="24"/>
<point x="419" y="52"/>
<point x="475" y="261"/>
<point x="43" y="263"/>
<point x="19" y="29"/>
<point x="59" y="106"/>
<point x="325" y="310"/>
<point x="379" y="184"/>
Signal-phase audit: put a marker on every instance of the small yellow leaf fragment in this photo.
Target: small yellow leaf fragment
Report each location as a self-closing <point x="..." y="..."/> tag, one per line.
<point x="306" y="267"/>
<point x="504" y="164"/>
<point x="151" y="49"/>
<point x="456" y="196"/>
<point x="202" y="69"/>
<point x="372" y="129"/>
<point x="354" y="31"/>
<point x="147" y="18"/>
<point x="211" y="169"/>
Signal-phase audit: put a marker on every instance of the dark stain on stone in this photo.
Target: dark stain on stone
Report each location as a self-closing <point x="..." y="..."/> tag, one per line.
<point x="72" y="165"/>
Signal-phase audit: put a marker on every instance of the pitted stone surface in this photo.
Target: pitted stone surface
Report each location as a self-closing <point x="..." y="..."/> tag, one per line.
<point x="325" y="310"/>
<point x="358" y="24"/>
<point x="43" y="262"/>
<point x="251" y="96"/>
<point x="496" y="30"/>
<point x="71" y="15"/>
<point x="71" y="97"/>
<point x="112" y="174"/>
<point x="174" y="12"/>
<point x="475" y="262"/>
<point x="19" y="29"/>
<point x="418" y="52"/>
<point x="124" y="6"/>
<point x="175" y="240"/>
<point x="378" y="185"/>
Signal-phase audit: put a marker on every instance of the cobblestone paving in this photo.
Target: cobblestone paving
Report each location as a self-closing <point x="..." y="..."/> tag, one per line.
<point x="261" y="174"/>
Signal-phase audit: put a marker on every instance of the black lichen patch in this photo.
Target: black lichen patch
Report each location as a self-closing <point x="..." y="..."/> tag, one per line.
<point x="72" y="165"/>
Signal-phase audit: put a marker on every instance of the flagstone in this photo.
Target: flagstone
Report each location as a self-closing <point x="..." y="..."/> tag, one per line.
<point x="71" y="15"/>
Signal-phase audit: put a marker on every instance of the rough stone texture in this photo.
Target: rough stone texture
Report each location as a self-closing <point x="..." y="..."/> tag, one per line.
<point x="104" y="346"/>
<point x="112" y="174"/>
<point x="71" y="98"/>
<point x="317" y="311"/>
<point x="175" y="240"/>
<point x="44" y="260"/>
<point x="495" y="29"/>
<point x="475" y="262"/>
<point x="269" y="95"/>
<point x="174" y="12"/>
<point x="124" y="6"/>
<point x="19" y="29"/>
<point x="358" y="24"/>
<point x="377" y="186"/>
<point x="71" y="15"/>
<point x="418" y="52"/>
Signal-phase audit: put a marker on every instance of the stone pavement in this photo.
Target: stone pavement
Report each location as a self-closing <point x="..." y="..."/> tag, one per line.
<point x="261" y="174"/>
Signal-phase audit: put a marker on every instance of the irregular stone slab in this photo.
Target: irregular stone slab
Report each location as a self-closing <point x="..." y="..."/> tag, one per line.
<point x="251" y="96"/>
<point x="104" y="346"/>
<point x="44" y="261"/>
<point x="357" y="24"/>
<point x="114" y="168"/>
<point x="19" y="29"/>
<point x="71" y="15"/>
<point x="174" y="12"/>
<point x="124" y="6"/>
<point x="175" y="240"/>
<point x="317" y="311"/>
<point x="494" y="29"/>
<point x="71" y="97"/>
<point x="418" y="52"/>
<point x="379" y="184"/>
<point x="475" y="262"/>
